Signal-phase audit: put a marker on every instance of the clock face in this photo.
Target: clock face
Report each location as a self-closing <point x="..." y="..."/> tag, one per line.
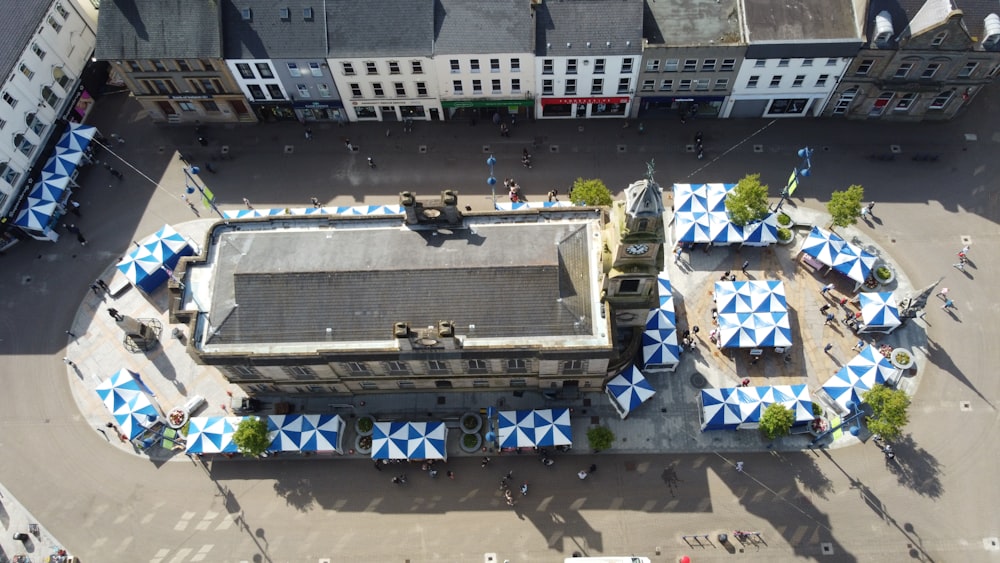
<point x="637" y="249"/>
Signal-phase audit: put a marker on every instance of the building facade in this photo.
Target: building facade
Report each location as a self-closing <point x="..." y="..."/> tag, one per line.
<point x="588" y="58"/>
<point x="176" y="72"/>
<point x="277" y="55"/>
<point x="689" y="69"/>
<point x="53" y="42"/>
<point x="484" y="58"/>
<point x="922" y="60"/>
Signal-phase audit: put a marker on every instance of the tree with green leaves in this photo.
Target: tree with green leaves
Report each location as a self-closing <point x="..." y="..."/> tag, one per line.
<point x="600" y="438"/>
<point x="889" y="410"/>
<point x="776" y="421"/>
<point x="251" y="436"/>
<point x="845" y="206"/>
<point x="591" y="192"/>
<point x="747" y="202"/>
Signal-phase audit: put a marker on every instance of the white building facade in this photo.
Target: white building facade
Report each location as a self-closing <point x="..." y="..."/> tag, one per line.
<point x="387" y="88"/>
<point x="784" y="87"/>
<point x="486" y="84"/>
<point x="586" y="87"/>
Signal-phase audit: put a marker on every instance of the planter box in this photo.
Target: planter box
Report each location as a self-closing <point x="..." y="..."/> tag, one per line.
<point x="897" y="362"/>
<point x="471" y="423"/>
<point x="470" y="449"/>
<point x="357" y="426"/>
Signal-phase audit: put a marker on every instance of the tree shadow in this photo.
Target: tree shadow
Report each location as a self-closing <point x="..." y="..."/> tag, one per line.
<point x="298" y="493"/>
<point x="916" y="468"/>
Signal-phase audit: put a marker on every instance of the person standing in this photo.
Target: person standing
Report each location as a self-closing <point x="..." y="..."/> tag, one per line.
<point x="943" y="293"/>
<point x="118" y="317"/>
<point x="74" y="207"/>
<point x="315" y="203"/>
<point x="870" y="208"/>
<point x="826" y="289"/>
<point x="746" y="264"/>
<point x="739" y="467"/>
<point x="246" y="202"/>
<point x="68" y="362"/>
<point x="828" y="347"/>
<point x="309" y="134"/>
<point x="948" y="304"/>
<point x="371" y="162"/>
<point x="582" y="474"/>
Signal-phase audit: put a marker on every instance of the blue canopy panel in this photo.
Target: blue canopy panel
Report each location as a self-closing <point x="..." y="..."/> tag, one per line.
<point x="860" y="374"/>
<point x="129" y="401"/>
<point x="761" y="233"/>
<point x="879" y="311"/>
<point x="730" y="408"/>
<point x="534" y="428"/>
<point x="77" y="137"/>
<point x="665" y="291"/>
<point x="37" y="214"/>
<point x="660" y="349"/>
<point x="717" y="413"/>
<point x="212" y="434"/>
<point x="409" y="440"/>
<point x="844" y="257"/>
<point x="51" y="189"/>
<point x="146" y="266"/>
<point x="628" y="390"/>
<point x="752" y="314"/>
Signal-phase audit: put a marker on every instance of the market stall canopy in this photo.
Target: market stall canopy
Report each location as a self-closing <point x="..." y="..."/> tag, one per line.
<point x="212" y="434"/>
<point x="305" y="432"/>
<point x="146" y="266"/>
<point x="77" y="137"/>
<point x="51" y="189"/>
<point x="761" y="233"/>
<point x="700" y="216"/>
<point x="534" y="428"/>
<point x="842" y="256"/>
<point x="752" y="314"/>
<point x="129" y="401"/>
<point x="333" y="210"/>
<point x="628" y="390"/>
<point x="409" y="440"/>
<point x="731" y="407"/>
<point x="865" y="370"/>
<point x="879" y="312"/>
<point x="37" y="214"/>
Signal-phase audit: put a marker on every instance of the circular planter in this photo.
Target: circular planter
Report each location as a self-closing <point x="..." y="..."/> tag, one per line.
<point x="785" y="221"/>
<point x="901" y="358"/>
<point x="886" y="280"/>
<point x="471" y="422"/>
<point x="364" y="426"/>
<point x="818" y="426"/>
<point x="791" y="236"/>
<point x="177" y="418"/>
<point x="363" y="444"/>
<point x="471" y="443"/>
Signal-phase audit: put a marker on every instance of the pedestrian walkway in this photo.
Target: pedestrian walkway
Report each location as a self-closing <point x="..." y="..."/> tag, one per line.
<point x="39" y="543"/>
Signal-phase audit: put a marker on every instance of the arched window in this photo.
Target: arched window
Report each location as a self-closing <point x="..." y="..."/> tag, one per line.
<point x="61" y="79"/>
<point x="33" y="123"/>
<point x="23" y="144"/>
<point x="50" y="97"/>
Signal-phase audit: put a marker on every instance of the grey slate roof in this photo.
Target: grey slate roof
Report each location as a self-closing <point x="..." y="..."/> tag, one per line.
<point x="497" y="26"/>
<point x="903" y="12"/>
<point x="381" y="28"/>
<point x="269" y="36"/>
<point x="598" y="21"/>
<point x="277" y="286"/>
<point x="801" y="20"/>
<point x="691" y="22"/>
<point x="17" y="26"/>
<point x="155" y="29"/>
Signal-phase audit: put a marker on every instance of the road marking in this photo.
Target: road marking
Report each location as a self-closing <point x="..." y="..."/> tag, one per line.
<point x="124" y="545"/>
<point x="159" y="556"/>
<point x="227" y="522"/>
<point x="206" y="521"/>
<point x="181" y="554"/>
<point x="203" y="552"/>
<point x="147" y="518"/>
<point x="182" y="524"/>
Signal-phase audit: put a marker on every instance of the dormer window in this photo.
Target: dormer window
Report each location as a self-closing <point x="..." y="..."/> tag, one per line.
<point x="939" y="38"/>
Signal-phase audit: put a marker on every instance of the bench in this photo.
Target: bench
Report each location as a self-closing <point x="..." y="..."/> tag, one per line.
<point x="812" y="262"/>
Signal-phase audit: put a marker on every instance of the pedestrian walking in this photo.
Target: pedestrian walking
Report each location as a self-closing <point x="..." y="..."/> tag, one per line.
<point x="190" y="205"/>
<point x="350" y="147"/>
<point x="118" y="317"/>
<point x="828" y="347"/>
<point x="826" y="288"/>
<point x="553" y="195"/>
<point x="103" y="433"/>
<point x="830" y="318"/>
<point x="74" y="207"/>
<point x="960" y="264"/>
<point x="433" y="473"/>
<point x="95" y="288"/>
<point x="859" y="346"/>
<point x="864" y="212"/>
<point x="70" y="334"/>
<point x="68" y="362"/>
<point x="943" y="292"/>
<point x="746" y="264"/>
<point x="824" y="308"/>
<point x="246" y="202"/>
<point x="118" y="138"/>
<point x="80" y="239"/>
<point x="593" y="468"/>
<point x="309" y="134"/>
<point x="965" y="250"/>
<point x="451" y="475"/>
<point x="486" y="461"/>
<point x="582" y="474"/>
<point x="948" y="304"/>
<point x="371" y="162"/>
<point x="315" y="203"/>
<point x="870" y="208"/>
<point x="739" y="467"/>
<point x="678" y="254"/>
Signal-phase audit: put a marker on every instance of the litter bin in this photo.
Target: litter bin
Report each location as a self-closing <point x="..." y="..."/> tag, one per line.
<point x="723" y="538"/>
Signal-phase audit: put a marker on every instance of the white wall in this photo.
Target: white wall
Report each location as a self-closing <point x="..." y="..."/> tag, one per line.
<point x="585" y="74"/>
<point x="386" y="79"/>
<point x="811" y="69"/>
<point x="446" y="76"/>
<point x="258" y="80"/>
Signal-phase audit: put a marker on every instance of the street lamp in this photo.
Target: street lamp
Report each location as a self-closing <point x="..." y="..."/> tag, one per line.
<point x="804" y="170"/>
<point x="492" y="181"/>
<point x="206" y="194"/>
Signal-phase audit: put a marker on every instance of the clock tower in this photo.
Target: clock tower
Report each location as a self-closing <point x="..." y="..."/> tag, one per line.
<point x="635" y="246"/>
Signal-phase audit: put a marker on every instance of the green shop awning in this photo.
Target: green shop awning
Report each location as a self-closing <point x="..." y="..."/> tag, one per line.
<point x="487" y="103"/>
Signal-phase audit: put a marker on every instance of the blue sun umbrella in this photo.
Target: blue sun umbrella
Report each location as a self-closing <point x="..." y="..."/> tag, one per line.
<point x="36" y="215"/>
<point x="630" y="389"/>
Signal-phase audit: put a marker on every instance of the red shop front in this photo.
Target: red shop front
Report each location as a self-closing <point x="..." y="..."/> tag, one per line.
<point x="603" y="106"/>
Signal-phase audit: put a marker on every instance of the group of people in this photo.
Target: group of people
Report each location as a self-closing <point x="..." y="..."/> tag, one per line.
<point x="513" y="190"/>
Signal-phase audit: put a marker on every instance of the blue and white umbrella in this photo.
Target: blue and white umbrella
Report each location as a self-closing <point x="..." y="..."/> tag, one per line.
<point x="515" y="429"/>
<point x="36" y="215"/>
<point x="77" y="137"/>
<point x="752" y="314"/>
<point x="534" y="428"/>
<point x="129" y="401"/>
<point x="552" y="428"/>
<point x="660" y="318"/>
<point x="879" y="310"/>
<point x="409" y="440"/>
<point x="167" y="246"/>
<point x="144" y="266"/>
<point x="854" y="262"/>
<point x="761" y="233"/>
<point x="325" y="433"/>
<point x="717" y="412"/>
<point x="212" y="434"/>
<point x="51" y="188"/>
<point x="659" y="347"/>
<point x="862" y="372"/>
<point x="822" y="245"/>
<point x="286" y="432"/>
<point x="664" y="289"/>
<point x="630" y="389"/>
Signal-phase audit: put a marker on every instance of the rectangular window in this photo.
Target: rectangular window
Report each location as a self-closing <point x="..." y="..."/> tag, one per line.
<point x="807" y="62"/>
<point x="546" y="66"/>
<point x="653" y="65"/>
<point x="571" y="66"/>
<point x="477" y="87"/>
<point x="547" y="87"/>
<point x="967" y="70"/>
<point x="623" y="85"/>
<point x="377" y="88"/>
<point x="628" y="286"/>
<point x="62" y="11"/>
<point x="728" y="65"/>
<point x="371" y="68"/>
<point x="348" y="68"/>
<point x="421" y="88"/>
<point x="570" y="87"/>
<point x="474" y="65"/>
<point x="690" y="65"/>
<point x="207" y="64"/>
<point x="26" y="71"/>
<point x="759" y="63"/>
<point x="571" y="367"/>
<point x="684" y="85"/>
<point x="480" y="383"/>
<point x="515" y="85"/>
<point x="417" y="67"/>
<point x="436" y="366"/>
<point x="648" y="85"/>
<point x="264" y="70"/>
<point x="930" y="70"/>
<point x="495" y="85"/>
<point x="598" y="66"/>
<point x="905" y="102"/>
<point x="701" y="84"/>
<point x="902" y="70"/>
<point x="406" y="385"/>
<point x="400" y="89"/>
<point x="303" y="90"/>
<point x="721" y="84"/>
<point x="54" y="24"/>
<point x="494" y="65"/>
<point x="275" y="91"/>
<point x="517" y="366"/>
<point x="627" y="65"/>
<point x="324" y="90"/>
<point x="134" y="66"/>
<point x="941" y="100"/>
<point x="831" y="62"/>
<point x="477" y="366"/>
<point x="821" y="80"/>
<point x="393" y="67"/>
<point x="182" y="65"/>
<point x="518" y="383"/>
<point x="355" y="89"/>
<point x="293" y="69"/>
<point x="397" y="368"/>
<point x="864" y="67"/>
<point x="11" y="101"/>
<point x="368" y="385"/>
<point x="708" y="65"/>
<point x="515" y="65"/>
<point x="752" y="82"/>
<point x="256" y="92"/>
<point x="783" y="62"/>
<point x="299" y="372"/>
<point x="456" y="86"/>
<point x="939" y="38"/>
<point x="775" y="81"/>
<point x="315" y="70"/>
<point x="799" y="79"/>
<point x="210" y="106"/>
<point x="38" y="51"/>
<point x="455" y="65"/>
<point x="357" y="367"/>
<point x="597" y="87"/>
<point x="245" y="70"/>
<point x="671" y="65"/>
<point x="243" y="372"/>
<point x="666" y="85"/>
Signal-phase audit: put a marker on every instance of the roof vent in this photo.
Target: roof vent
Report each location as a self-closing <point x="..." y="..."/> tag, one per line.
<point x="568" y="45"/>
<point x="588" y="43"/>
<point x="883" y="28"/>
<point x="608" y="44"/>
<point x="991" y="31"/>
<point x="400" y="330"/>
<point x="246" y="14"/>
<point x="446" y="329"/>
<point x="307" y="14"/>
<point x="286" y="14"/>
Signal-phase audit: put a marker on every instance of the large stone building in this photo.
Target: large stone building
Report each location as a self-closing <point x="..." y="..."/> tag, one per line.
<point x="431" y="299"/>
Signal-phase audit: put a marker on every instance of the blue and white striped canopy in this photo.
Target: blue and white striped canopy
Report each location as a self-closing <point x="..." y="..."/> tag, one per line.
<point x="866" y="369"/>
<point x="305" y="432"/>
<point x="842" y="256"/>
<point x="511" y="206"/>
<point x="700" y="214"/>
<point x="212" y="434"/>
<point x="761" y="233"/>
<point x="409" y="440"/>
<point x="342" y="210"/>
<point x="879" y="310"/>
<point x="534" y="428"/>
<point x="144" y="266"/>
<point x="77" y="137"/>
<point x="752" y="314"/>
<point x="728" y="408"/>
<point x="51" y="188"/>
<point x="630" y="389"/>
<point x="665" y="291"/>
<point x="129" y="401"/>
<point x="659" y="347"/>
<point x="37" y="214"/>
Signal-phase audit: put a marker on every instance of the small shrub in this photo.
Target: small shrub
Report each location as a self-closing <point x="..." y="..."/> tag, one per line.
<point x="470" y="421"/>
<point x="470" y="440"/>
<point x="883" y="273"/>
<point x="365" y="424"/>
<point x="600" y="438"/>
<point x="817" y="410"/>
<point x="784" y="220"/>
<point x="902" y="358"/>
<point x="784" y="234"/>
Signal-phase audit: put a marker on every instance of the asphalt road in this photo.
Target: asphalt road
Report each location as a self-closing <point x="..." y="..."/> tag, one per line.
<point x="936" y="504"/>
